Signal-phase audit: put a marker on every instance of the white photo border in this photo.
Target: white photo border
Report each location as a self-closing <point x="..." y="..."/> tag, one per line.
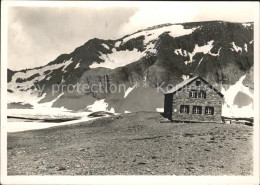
<point x="118" y="179"/>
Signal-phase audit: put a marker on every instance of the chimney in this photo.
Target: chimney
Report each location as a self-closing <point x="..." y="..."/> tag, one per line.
<point x="190" y="75"/>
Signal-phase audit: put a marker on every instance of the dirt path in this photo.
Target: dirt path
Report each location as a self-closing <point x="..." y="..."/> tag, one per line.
<point x="132" y="144"/>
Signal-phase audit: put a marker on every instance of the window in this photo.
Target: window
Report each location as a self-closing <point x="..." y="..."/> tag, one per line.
<point x="202" y="94"/>
<point x="209" y="110"/>
<point x="185" y="109"/>
<point x="198" y="83"/>
<point x="197" y="109"/>
<point x="193" y="94"/>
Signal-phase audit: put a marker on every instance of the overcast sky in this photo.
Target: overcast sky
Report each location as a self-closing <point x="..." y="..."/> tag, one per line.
<point x="38" y="35"/>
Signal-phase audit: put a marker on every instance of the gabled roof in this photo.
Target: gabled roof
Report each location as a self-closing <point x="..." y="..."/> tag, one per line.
<point x="189" y="81"/>
<point x="181" y="85"/>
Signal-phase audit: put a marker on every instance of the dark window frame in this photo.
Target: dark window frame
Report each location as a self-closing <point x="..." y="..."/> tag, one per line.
<point x="197" y="109"/>
<point x="195" y="94"/>
<point x="183" y="107"/>
<point x="202" y="94"/>
<point x="198" y="83"/>
<point x="209" y="110"/>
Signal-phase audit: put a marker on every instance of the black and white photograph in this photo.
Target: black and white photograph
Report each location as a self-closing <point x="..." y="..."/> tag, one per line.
<point x="129" y="89"/>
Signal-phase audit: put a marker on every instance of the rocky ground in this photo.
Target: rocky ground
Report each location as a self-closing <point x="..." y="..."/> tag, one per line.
<point x="132" y="144"/>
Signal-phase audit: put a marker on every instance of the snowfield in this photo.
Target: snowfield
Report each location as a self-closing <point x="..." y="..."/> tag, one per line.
<point x="14" y="86"/>
<point x="17" y="125"/>
<point x="173" y="30"/>
<point x="229" y="109"/>
<point x="118" y="59"/>
<point x="32" y="98"/>
<point x="25" y="97"/>
<point x="122" y="58"/>
<point x="44" y="111"/>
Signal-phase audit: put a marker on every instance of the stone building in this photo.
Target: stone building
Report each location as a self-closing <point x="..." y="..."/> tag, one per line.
<point x="193" y="100"/>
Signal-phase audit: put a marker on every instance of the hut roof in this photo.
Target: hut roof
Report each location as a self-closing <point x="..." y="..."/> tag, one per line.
<point x="189" y="81"/>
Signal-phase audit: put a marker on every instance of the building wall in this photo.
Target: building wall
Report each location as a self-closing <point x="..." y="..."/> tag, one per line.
<point x="182" y="98"/>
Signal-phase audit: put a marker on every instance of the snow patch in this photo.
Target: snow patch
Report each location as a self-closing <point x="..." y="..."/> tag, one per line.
<point x="180" y="52"/>
<point x="245" y="47"/>
<point x="206" y="49"/>
<point x="199" y="62"/>
<point x="159" y="109"/>
<point x="177" y="51"/>
<point x="48" y="78"/>
<point x="150" y="48"/>
<point x="215" y="55"/>
<point x="251" y="41"/>
<point x="127" y="111"/>
<point x="118" y="58"/>
<point x="185" y="77"/>
<point x="236" y="48"/>
<point x="128" y="91"/>
<point x="117" y="44"/>
<point x="77" y="66"/>
<point x="100" y="105"/>
<point x="246" y="24"/>
<point x="203" y="49"/>
<point x="105" y="46"/>
<point x="68" y="62"/>
<point x="112" y="110"/>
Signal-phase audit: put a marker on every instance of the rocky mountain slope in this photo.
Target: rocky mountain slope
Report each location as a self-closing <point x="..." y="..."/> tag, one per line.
<point x="220" y="52"/>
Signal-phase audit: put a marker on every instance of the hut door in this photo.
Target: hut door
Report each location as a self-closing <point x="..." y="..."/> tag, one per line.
<point x="168" y="105"/>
